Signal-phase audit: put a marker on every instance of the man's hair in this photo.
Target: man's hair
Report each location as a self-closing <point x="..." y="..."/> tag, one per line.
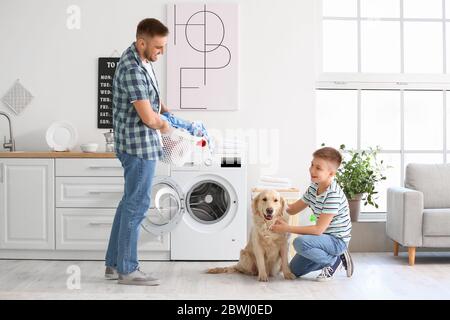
<point x="329" y="154"/>
<point x="151" y="27"/>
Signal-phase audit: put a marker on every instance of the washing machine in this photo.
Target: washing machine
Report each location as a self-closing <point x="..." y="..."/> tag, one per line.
<point x="204" y="207"/>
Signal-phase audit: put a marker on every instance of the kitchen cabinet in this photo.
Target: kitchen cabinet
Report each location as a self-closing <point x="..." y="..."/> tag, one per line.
<point x="27" y="208"/>
<point x="88" y="192"/>
<point x="62" y="205"/>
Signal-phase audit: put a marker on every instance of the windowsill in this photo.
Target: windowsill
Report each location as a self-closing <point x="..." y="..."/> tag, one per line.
<point x="372" y="217"/>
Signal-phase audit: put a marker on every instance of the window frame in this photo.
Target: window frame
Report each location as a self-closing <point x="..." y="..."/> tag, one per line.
<point x="386" y="81"/>
<point x="381" y="80"/>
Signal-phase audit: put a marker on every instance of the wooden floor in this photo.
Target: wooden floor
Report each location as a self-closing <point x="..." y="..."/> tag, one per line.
<point x="377" y="276"/>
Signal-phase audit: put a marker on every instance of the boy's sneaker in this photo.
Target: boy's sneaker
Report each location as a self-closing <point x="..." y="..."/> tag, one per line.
<point x="347" y="262"/>
<point x="138" y="278"/>
<point x="328" y="272"/>
<point x="111" y="273"/>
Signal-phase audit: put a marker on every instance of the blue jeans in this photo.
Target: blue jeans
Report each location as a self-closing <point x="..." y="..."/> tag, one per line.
<point x="315" y="253"/>
<point x="132" y="209"/>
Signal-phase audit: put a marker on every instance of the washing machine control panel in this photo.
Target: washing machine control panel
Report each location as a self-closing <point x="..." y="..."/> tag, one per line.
<point x="230" y="162"/>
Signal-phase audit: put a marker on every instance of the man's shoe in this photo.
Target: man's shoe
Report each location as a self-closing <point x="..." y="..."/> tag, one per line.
<point x="111" y="273"/>
<point x="329" y="272"/>
<point x="347" y="262"/>
<point x="138" y="278"/>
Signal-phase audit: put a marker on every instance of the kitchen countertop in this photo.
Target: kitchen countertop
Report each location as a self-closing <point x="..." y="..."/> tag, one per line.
<point x="54" y="154"/>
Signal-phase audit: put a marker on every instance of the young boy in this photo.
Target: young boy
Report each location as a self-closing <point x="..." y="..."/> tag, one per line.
<point x="324" y="245"/>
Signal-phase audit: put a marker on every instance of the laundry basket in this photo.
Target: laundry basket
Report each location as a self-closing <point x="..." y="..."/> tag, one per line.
<point x="180" y="147"/>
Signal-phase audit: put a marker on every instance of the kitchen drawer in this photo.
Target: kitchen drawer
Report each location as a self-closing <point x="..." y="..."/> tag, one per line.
<point x="89" y="229"/>
<point x="87" y="167"/>
<point x="94" y="192"/>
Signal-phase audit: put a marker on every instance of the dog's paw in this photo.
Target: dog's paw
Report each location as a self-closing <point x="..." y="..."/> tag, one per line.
<point x="263" y="277"/>
<point x="289" y="276"/>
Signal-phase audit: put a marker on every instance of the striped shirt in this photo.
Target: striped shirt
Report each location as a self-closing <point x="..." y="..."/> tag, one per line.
<point x="331" y="201"/>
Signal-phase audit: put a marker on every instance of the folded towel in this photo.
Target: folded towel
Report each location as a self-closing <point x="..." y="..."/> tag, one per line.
<point x="275" y="179"/>
<point x="269" y="182"/>
<point x="269" y="187"/>
<point x="274" y="184"/>
<point x="232" y="146"/>
<point x="231" y="150"/>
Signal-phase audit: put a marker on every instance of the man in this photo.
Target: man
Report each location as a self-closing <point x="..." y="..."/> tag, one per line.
<point x="136" y="121"/>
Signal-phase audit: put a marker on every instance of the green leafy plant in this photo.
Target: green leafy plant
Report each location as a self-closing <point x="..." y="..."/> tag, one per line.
<point x="360" y="174"/>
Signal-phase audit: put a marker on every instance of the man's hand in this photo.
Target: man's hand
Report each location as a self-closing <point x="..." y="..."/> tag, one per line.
<point x="280" y="226"/>
<point x="165" y="128"/>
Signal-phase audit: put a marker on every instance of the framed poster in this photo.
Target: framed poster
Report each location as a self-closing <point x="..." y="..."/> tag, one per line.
<point x="202" y="56"/>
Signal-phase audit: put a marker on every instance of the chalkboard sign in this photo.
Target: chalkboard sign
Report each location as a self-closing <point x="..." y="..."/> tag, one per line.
<point x="106" y="69"/>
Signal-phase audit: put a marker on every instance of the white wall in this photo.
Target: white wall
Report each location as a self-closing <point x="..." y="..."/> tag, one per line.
<point x="59" y="66"/>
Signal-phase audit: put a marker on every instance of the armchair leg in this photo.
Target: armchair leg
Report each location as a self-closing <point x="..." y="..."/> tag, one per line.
<point x="412" y="255"/>
<point x="396" y="246"/>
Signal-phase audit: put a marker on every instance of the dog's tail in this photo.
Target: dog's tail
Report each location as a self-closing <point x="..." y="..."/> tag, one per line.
<point x="231" y="269"/>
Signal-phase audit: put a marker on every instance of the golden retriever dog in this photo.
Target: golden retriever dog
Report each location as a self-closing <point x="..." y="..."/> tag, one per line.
<point x="266" y="253"/>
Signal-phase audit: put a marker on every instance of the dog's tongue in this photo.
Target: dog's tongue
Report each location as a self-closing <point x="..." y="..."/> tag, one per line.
<point x="269" y="217"/>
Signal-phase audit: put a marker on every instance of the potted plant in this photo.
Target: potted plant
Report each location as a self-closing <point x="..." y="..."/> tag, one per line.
<point x="358" y="177"/>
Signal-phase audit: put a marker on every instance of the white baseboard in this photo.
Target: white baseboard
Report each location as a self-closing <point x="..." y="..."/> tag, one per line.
<point x="74" y="255"/>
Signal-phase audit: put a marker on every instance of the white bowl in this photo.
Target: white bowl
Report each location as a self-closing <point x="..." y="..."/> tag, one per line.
<point x="89" y="147"/>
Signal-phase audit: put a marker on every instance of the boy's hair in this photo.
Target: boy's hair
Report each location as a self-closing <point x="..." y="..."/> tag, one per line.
<point x="329" y="154"/>
<point x="151" y="27"/>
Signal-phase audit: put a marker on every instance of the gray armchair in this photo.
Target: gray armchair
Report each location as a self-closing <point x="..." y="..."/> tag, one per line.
<point x="418" y="215"/>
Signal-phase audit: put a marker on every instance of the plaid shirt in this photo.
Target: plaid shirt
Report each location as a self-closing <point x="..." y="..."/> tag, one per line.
<point x="132" y="82"/>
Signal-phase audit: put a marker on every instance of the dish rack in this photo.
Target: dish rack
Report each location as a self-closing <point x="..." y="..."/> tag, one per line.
<point x="180" y="147"/>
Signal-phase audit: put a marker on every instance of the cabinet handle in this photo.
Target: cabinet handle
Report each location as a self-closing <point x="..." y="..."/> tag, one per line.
<point x="100" y="223"/>
<point x="2" y="172"/>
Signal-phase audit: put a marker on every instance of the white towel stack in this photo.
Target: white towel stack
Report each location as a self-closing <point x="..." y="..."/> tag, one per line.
<point x="268" y="182"/>
<point x="231" y="146"/>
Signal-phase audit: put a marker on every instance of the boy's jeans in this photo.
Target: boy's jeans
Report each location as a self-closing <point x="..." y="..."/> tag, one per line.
<point x="315" y="253"/>
<point x="122" y="247"/>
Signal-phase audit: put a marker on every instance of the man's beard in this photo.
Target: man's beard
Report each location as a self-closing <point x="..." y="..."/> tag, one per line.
<point x="148" y="56"/>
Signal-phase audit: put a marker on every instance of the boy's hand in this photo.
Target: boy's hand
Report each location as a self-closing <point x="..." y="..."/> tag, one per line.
<point x="280" y="226"/>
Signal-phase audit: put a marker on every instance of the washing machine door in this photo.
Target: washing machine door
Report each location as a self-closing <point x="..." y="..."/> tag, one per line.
<point x="208" y="201"/>
<point x="166" y="208"/>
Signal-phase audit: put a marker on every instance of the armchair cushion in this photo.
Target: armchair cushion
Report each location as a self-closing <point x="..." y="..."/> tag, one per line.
<point x="436" y="222"/>
<point x="432" y="180"/>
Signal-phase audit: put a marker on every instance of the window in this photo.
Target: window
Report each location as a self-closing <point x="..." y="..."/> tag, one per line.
<point x="384" y="81"/>
<point x="385" y="36"/>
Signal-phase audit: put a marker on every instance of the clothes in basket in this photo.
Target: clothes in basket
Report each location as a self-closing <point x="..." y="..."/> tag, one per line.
<point x="195" y="128"/>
